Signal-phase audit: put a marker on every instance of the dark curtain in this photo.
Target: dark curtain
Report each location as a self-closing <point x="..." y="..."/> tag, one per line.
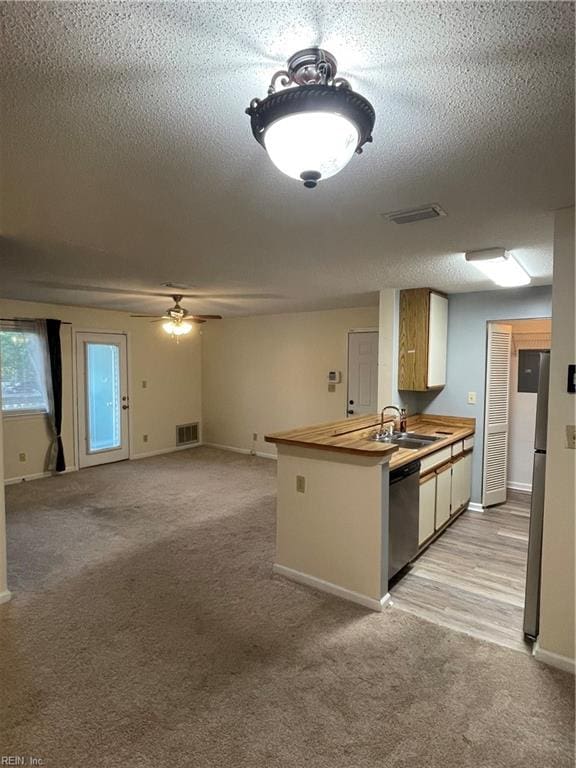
<point x="55" y="355"/>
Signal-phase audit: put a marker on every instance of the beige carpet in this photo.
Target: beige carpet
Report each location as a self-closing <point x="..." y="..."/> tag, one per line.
<point x="146" y="630"/>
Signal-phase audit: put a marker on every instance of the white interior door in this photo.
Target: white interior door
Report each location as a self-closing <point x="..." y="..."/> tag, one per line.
<point x="103" y="402"/>
<point x="362" y="372"/>
<point x="496" y="414"/>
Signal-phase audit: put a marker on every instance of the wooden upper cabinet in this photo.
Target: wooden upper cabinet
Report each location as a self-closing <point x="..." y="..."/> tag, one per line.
<point x="423" y="340"/>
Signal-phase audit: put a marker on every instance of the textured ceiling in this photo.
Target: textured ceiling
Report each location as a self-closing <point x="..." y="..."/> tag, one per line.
<point x="127" y="159"/>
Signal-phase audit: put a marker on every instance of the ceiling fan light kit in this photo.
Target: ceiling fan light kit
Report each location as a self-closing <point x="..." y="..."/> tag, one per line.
<point x="180" y="328"/>
<point x="315" y="123"/>
<point x="180" y="321"/>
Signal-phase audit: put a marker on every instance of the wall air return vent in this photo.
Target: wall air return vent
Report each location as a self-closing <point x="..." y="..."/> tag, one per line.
<point x="187" y="434"/>
<point x="410" y="215"/>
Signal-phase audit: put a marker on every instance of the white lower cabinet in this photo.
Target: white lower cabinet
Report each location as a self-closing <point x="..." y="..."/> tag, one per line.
<point x="456" y="494"/>
<point x="461" y="481"/>
<point x="426" y="525"/>
<point x="443" y="494"/>
<point x="467" y="478"/>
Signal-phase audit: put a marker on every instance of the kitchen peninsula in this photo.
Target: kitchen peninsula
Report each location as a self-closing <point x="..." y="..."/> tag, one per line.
<point x="333" y="516"/>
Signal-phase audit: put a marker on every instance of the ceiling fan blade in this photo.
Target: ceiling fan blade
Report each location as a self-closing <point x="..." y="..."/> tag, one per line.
<point x="204" y="317"/>
<point x="142" y="315"/>
<point x="231" y="296"/>
<point x="126" y="292"/>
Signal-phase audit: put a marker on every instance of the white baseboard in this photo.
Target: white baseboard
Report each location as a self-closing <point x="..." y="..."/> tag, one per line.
<point x="554" y="659"/>
<point x="40" y="475"/>
<point x="5" y="596"/>
<point x="161" y="451"/>
<point x="245" y="451"/>
<point x="473" y="506"/>
<point x="37" y="476"/>
<point x="524" y="487"/>
<point x="332" y="589"/>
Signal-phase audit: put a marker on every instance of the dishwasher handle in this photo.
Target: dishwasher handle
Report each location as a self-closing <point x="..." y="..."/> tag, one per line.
<point x="396" y="475"/>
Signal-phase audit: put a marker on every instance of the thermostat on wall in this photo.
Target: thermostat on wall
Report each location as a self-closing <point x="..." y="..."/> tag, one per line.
<point x="334" y="377"/>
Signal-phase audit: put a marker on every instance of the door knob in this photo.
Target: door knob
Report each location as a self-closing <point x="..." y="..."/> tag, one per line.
<point x="350" y="412"/>
<point x="125" y="407"/>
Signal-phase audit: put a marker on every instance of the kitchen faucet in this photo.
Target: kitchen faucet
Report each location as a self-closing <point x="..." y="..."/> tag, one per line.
<point x="399" y="421"/>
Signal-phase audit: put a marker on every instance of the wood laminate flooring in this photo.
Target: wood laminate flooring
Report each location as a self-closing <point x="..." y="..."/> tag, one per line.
<point x="472" y="578"/>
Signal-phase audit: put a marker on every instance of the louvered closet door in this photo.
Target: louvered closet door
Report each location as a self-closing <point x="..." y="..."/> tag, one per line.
<point x="495" y="466"/>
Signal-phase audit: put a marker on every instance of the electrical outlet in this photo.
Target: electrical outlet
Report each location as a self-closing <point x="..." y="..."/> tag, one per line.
<point x="570" y="436"/>
<point x="300" y="484"/>
<point x="471" y="398"/>
<point x="22" y="457"/>
<point x="144" y="438"/>
<point x="254" y="436"/>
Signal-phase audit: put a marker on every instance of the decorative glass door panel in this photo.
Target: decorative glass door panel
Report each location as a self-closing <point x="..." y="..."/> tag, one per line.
<point x="103" y="402"/>
<point x="103" y="397"/>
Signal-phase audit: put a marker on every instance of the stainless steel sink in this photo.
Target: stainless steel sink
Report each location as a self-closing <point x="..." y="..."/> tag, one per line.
<point x="416" y="436"/>
<point x="411" y="440"/>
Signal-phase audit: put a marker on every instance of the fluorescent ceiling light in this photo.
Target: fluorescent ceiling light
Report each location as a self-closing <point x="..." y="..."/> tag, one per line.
<point x="501" y="267"/>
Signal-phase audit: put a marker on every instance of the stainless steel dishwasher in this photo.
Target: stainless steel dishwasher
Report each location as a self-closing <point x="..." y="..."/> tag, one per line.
<point x="404" y="505"/>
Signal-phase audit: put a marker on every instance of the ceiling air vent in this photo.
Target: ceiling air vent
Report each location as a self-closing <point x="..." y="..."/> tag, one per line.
<point x="186" y="434"/>
<point x="410" y="215"/>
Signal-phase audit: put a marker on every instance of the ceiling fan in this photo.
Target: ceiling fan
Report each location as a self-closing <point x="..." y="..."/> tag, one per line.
<point x="177" y="320"/>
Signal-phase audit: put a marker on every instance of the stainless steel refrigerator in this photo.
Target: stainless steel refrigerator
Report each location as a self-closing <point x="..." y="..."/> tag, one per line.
<point x="532" y="603"/>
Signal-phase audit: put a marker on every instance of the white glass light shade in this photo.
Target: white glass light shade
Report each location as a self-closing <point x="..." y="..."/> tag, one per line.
<point x="311" y="141"/>
<point x="501" y="267"/>
<point x="177" y="329"/>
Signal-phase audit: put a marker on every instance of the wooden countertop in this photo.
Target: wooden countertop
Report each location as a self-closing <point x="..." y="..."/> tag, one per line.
<point x="353" y="436"/>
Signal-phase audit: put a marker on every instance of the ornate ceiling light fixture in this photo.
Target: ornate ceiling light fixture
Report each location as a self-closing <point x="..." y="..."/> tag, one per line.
<point x="311" y="130"/>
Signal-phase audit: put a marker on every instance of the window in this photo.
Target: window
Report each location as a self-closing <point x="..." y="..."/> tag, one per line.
<point x="22" y="368"/>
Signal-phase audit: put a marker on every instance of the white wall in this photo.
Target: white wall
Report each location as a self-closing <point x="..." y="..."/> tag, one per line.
<point x="521" y="435"/>
<point x="387" y="348"/>
<point x="558" y="572"/>
<point x="526" y="334"/>
<point x="172" y="396"/>
<point x="267" y="373"/>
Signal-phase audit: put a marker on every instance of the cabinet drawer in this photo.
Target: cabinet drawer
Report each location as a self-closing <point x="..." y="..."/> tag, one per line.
<point x="435" y="459"/>
<point x="468" y="443"/>
<point x="457" y="448"/>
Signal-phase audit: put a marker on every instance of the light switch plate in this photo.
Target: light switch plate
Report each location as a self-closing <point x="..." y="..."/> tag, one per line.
<point x="300" y="484"/>
<point x="570" y="435"/>
<point x="471" y="398"/>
